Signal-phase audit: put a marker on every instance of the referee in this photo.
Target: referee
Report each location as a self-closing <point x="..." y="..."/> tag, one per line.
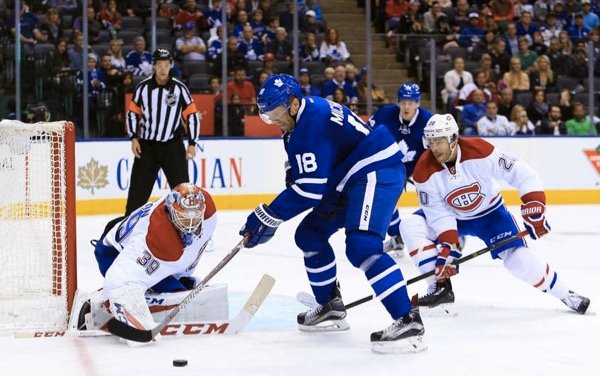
<point x="159" y="111"/>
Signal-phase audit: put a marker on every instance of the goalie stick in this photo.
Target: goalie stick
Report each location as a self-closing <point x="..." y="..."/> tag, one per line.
<point x="126" y="331"/>
<point x="309" y="300"/>
<point x="233" y="326"/>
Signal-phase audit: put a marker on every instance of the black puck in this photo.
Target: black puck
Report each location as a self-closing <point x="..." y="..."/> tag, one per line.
<point x="179" y="363"/>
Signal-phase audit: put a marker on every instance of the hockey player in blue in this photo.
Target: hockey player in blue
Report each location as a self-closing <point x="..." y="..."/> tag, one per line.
<point x="405" y="120"/>
<point x="351" y="175"/>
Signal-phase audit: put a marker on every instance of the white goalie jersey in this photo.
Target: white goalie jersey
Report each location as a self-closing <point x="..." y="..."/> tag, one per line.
<point x="470" y="188"/>
<point x="151" y="248"/>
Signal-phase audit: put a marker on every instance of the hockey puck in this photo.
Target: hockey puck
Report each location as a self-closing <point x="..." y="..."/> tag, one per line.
<point x="179" y="363"/>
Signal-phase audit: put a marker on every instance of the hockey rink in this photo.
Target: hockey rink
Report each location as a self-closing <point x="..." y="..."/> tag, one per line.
<point x="503" y="326"/>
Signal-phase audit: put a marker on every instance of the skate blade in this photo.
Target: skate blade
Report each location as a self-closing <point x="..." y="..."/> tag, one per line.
<point x="411" y="345"/>
<point x="325" y="326"/>
<point x="442" y="310"/>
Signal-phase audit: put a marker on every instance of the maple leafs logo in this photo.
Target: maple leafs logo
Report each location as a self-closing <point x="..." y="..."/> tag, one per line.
<point x="409" y="155"/>
<point x="92" y="176"/>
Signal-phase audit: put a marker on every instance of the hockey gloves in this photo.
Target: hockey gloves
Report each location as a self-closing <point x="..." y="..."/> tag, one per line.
<point x="331" y="205"/>
<point x="534" y="219"/>
<point x="443" y="264"/>
<point x="261" y="224"/>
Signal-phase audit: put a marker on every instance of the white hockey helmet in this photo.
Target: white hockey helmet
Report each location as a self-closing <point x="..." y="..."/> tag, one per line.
<point x="441" y="125"/>
<point x="186" y="206"/>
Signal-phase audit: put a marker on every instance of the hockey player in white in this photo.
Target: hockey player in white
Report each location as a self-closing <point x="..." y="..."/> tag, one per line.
<point x="456" y="182"/>
<point x="153" y="252"/>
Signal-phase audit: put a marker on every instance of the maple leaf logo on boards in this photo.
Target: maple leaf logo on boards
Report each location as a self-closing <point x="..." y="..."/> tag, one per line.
<point x="92" y="176"/>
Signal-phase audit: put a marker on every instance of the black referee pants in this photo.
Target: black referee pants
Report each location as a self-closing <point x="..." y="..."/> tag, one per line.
<point x="170" y="156"/>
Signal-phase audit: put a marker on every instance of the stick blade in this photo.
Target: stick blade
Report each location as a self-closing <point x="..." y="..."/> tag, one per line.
<point x="257" y="298"/>
<point x="128" y="332"/>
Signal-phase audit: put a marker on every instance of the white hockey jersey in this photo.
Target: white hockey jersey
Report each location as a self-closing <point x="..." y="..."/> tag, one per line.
<point x="469" y="189"/>
<point x="151" y="248"/>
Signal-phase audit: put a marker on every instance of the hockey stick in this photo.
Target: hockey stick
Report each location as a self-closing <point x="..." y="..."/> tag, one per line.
<point x="123" y="330"/>
<point x="309" y="300"/>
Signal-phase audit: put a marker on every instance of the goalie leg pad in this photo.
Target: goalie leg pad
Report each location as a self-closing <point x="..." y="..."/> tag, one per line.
<point x="127" y="304"/>
<point x="89" y="311"/>
<point x="211" y="304"/>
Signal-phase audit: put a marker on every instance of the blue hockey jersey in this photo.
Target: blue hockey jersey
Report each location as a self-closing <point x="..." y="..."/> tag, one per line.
<point x="328" y="149"/>
<point x="408" y="136"/>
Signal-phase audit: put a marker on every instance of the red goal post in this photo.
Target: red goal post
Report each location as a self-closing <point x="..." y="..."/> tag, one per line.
<point x="38" y="262"/>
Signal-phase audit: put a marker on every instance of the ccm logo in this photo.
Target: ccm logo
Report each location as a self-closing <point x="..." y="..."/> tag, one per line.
<point x="194" y="329"/>
<point x="466" y="199"/>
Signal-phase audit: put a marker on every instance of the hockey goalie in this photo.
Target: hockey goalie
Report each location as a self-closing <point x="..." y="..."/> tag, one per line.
<point x="147" y="260"/>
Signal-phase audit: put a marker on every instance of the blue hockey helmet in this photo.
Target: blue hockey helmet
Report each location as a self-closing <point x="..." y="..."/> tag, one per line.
<point x="408" y="92"/>
<point x="276" y="91"/>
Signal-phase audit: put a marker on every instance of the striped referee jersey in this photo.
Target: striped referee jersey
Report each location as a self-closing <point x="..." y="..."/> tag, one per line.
<point x="160" y="110"/>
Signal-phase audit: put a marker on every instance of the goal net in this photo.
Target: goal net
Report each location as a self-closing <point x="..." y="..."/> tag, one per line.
<point x="37" y="225"/>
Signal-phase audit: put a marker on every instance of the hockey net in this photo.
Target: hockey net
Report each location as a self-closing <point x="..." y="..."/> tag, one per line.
<point x="37" y="225"/>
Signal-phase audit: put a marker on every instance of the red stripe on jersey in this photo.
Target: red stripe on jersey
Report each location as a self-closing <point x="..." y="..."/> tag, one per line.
<point x="474" y="148"/>
<point x="534" y="196"/>
<point x="163" y="239"/>
<point x="470" y="148"/>
<point x="426" y="166"/>
<point x="449" y="236"/>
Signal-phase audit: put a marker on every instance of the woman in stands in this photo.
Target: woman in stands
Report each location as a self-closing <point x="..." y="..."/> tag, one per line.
<point x="542" y="76"/>
<point x="485" y="67"/>
<point x="538" y="108"/>
<point x="520" y="121"/>
<point x="116" y="54"/>
<point x="333" y="50"/>
<point x="515" y="78"/>
<point x="52" y="30"/>
<point x="565" y="41"/>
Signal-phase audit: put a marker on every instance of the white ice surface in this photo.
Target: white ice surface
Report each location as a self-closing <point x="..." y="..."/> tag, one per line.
<point x="504" y="327"/>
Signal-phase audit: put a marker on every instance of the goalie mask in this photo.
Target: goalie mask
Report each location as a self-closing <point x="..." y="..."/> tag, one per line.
<point x="186" y="206"/>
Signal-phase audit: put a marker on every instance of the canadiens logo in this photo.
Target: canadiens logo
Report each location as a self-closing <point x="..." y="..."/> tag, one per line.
<point x="466" y="198"/>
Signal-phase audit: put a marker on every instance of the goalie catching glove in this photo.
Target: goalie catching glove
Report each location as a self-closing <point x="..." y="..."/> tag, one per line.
<point x="532" y="211"/>
<point x="261" y="224"/>
<point x="443" y="264"/>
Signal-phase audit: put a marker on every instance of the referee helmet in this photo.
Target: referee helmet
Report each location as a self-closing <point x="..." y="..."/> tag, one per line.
<point x="162" y="54"/>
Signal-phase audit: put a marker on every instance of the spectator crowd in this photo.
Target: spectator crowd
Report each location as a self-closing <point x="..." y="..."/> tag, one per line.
<point x="528" y="58"/>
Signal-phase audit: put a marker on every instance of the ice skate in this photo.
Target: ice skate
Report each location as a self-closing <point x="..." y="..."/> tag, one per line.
<point x="440" y="301"/>
<point x="325" y="318"/>
<point x="394" y="247"/>
<point x="576" y="302"/>
<point x="404" y="336"/>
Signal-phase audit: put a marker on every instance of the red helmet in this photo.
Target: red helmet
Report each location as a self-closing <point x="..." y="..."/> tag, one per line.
<point x="186" y="206"/>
